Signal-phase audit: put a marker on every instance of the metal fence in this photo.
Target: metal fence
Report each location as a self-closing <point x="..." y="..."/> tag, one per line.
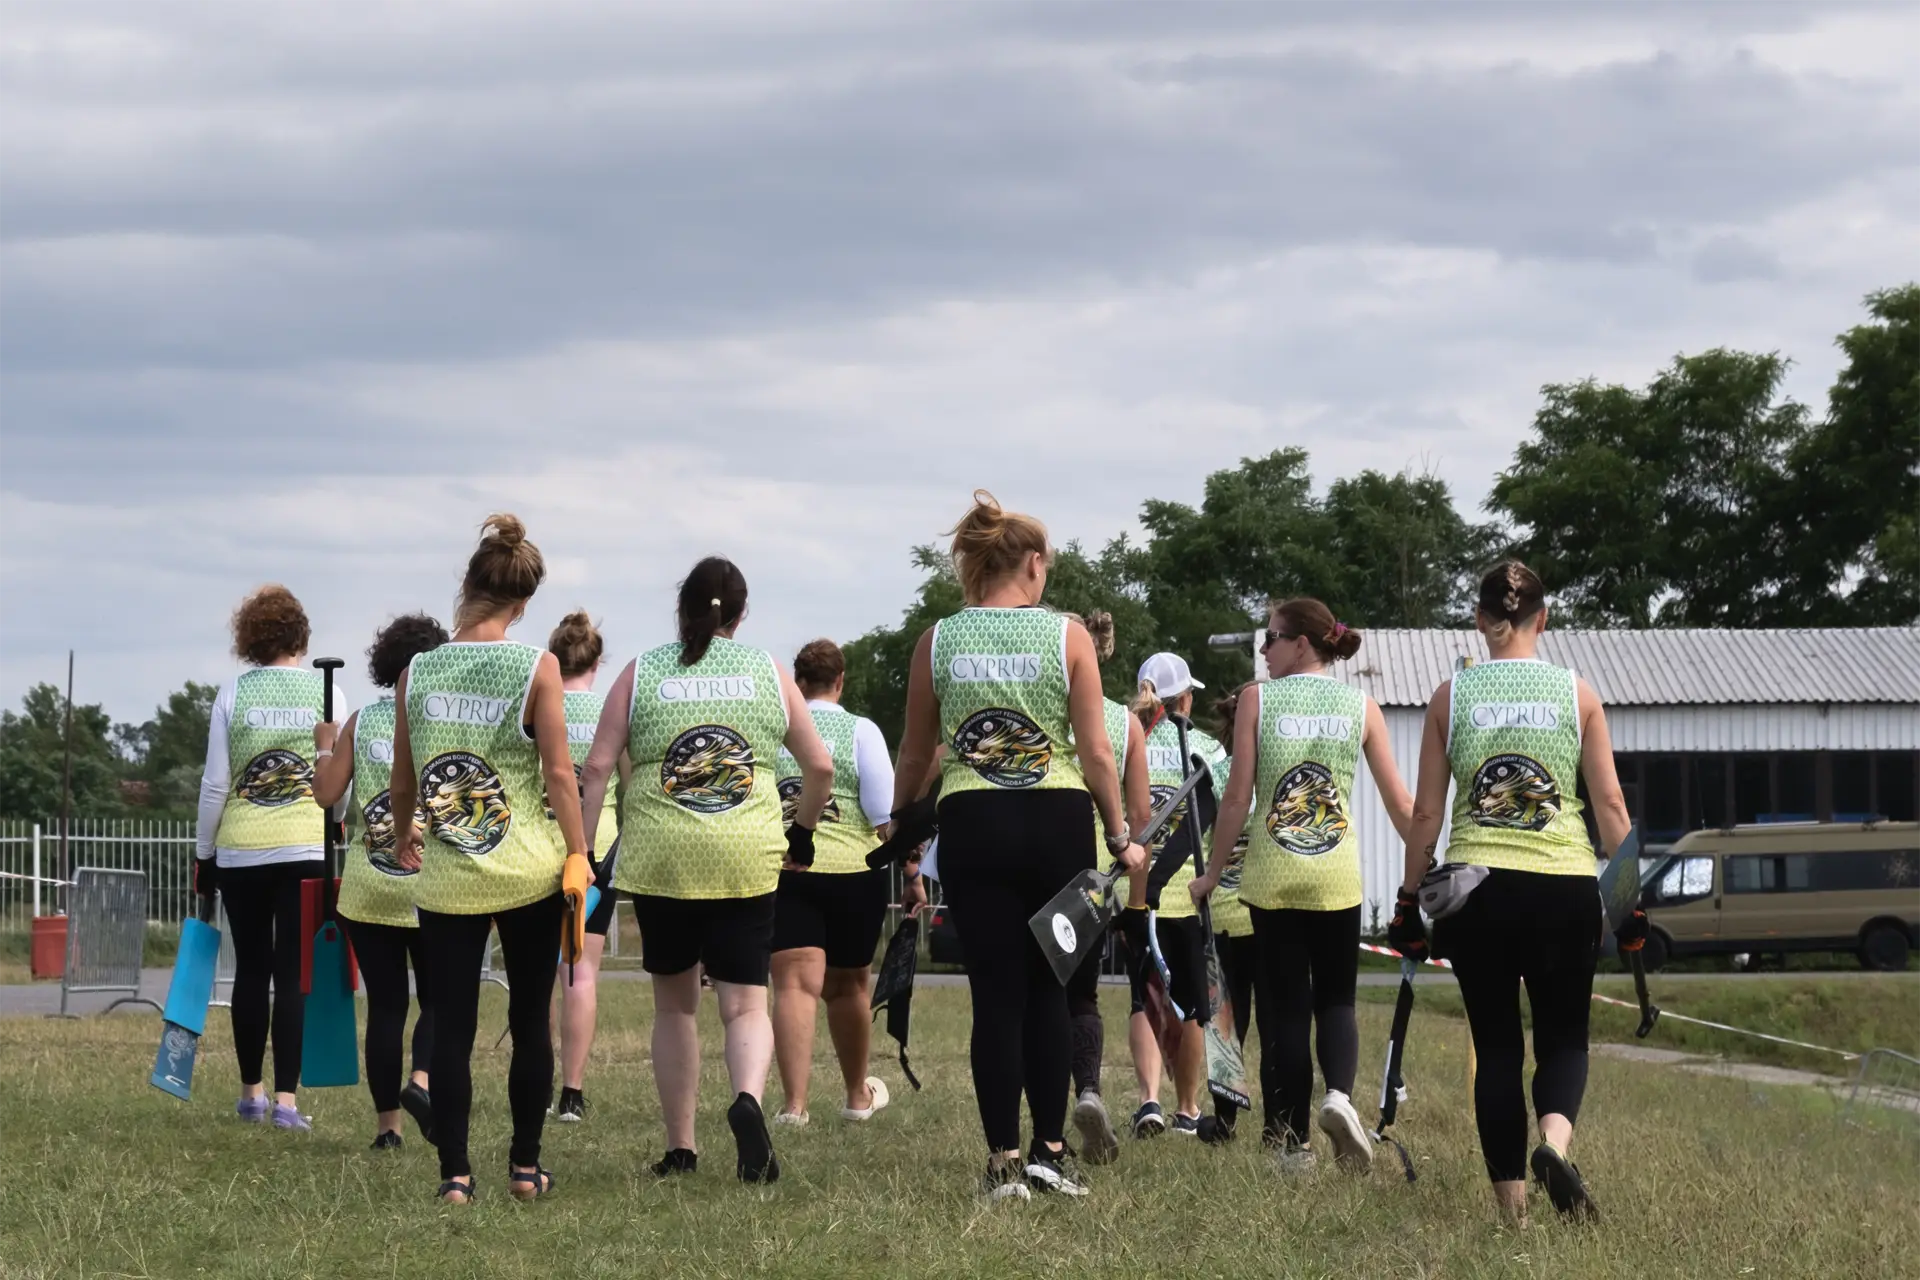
<point x="30" y="856"/>
<point x="106" y="931"/>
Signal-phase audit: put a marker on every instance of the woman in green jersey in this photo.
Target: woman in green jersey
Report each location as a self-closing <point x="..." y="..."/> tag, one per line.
<point x="577" y="644"/>
<point x="700" y="720"/>
<point x="260" y="835"/>
<point x="376" y="892"/>
<point x="827" y="917"/>
<point x="1014" y="692"/>
<point x="1233" y="936"/>
<point x="480" y="748"/>
<point x="1164" y="707"/>
<point x="1298" y="739"/>
<point x="1514" y="736"/>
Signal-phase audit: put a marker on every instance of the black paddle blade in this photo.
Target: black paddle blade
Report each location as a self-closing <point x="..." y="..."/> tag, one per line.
<point x="913" y="826"/>
<point x="893" y="989"/>
<point x="1071" y="924"/>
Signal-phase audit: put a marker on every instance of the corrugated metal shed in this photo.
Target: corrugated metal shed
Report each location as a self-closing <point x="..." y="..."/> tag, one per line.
<point x="1401" y="668"/>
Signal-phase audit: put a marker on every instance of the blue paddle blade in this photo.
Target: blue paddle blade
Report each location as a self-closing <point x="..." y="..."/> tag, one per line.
<point x="173" y="1065"/>
<point x="329" y="1047"/>
<point x="192" y="987"/>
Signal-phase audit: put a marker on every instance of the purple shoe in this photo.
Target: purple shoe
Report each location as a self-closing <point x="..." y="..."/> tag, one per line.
<point x="290" y="1118"/>
<point x="252" y="1110"/>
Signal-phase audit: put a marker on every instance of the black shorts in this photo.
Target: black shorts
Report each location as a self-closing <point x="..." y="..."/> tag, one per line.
<point x="601" y="917"/>
<point x="732" y="937"/>
<point x="1184" y="947"/>
<point x="841" y="914"/>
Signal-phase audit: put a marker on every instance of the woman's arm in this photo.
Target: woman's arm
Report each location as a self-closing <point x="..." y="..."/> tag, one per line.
<point x="922" y="731"/>
<point x="213" y="778"/>
<point x="1430" y="790"/>
<point x="1087" y="707"/>
<point x="809" y="752"/>
<point x="1596" y="763"/>
<point x="1386" y="770"/>
<point x="609" y="748"/>
<point x="875" y="769"/>
<point x="1231" y="820"/>
<point x="1133" y="777"/>
<point x="403" y="789"/>
<point x="333" y="775"/>
<point x="547" y="708"/>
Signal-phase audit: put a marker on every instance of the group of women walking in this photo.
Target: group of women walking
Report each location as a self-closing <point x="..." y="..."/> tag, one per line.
<point x="735" y="803"/>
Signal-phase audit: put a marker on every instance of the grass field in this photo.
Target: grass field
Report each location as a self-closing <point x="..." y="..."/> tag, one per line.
<point x="1695" y="1176"/>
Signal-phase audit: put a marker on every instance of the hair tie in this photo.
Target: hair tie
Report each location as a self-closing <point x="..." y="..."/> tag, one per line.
<point x="716" y="602"/>
<point x="1339" y="629"/>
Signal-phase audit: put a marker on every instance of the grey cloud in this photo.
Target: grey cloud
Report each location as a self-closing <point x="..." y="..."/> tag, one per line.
<point x="1726" y="258"/>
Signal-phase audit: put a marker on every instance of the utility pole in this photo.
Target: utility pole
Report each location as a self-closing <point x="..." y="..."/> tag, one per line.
<point x="66" y="772"/>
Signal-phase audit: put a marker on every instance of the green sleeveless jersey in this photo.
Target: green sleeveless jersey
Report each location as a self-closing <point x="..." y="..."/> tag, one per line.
<point x="1513" y="740"/>
<point x="1304" y="853"/>
<point x="701" y="818"/>
<point x="1001" y="678"/>
<point x="491" y="843"/>
<point x="374" y="889"/>
<point x="1165" y="772"/>
<point x="1230" y="915"/>
<point x="270" y="801"/>
<point x="1119" y="726"/>
<point x="583" y="717"/>
<point x="844" y="837"/>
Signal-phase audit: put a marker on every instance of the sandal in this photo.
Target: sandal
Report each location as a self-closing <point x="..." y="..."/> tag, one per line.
<point x="536" y="1178"/>
<point x="451" y="1187"/>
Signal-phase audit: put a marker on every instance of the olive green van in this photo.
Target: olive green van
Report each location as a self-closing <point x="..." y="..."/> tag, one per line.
<point x="1805" y="886"/>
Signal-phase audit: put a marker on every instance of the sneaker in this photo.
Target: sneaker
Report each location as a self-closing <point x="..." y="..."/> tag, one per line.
<point x="1295" y="1160"/>
<point x="1352" y="1149"/>
<point x="572" y="1107"/>
<point x="877" y="1098"/>
<point x="1053" y="1172"/>
<point x="1005" y="1181"/>
<point x="1186" y="1125"/>
<point x="1098" y="1143"/>
<point x="290" y="1118"/>
<point x="387" y="1141"/>
<point x="418" y="1105"/>
<point x="755" y="1162"/>
<point x="1562" y="1182"/>
<point x="1214" y="1131"/>
<point x="678" y="1160"/>
<point x="791" y="1119"/>
<point x="252" y="1110"/>
<point x="1149" y="1121"/>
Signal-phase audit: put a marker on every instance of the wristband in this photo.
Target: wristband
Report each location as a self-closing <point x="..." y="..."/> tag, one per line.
<point x="1117" y="843"/>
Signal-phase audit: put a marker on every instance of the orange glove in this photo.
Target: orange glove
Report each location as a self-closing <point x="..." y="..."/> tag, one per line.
<point x="576" y="877"/>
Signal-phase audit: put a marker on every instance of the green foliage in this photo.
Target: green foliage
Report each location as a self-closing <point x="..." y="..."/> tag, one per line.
<point x="31" y="753"/>
<point x="169" y="751"/>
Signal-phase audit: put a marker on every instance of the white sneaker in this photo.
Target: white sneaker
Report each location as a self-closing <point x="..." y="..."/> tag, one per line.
<point x="790" y="1119"/>
<point x="1352" y="1149"/>
<point x="878" y="1098"/>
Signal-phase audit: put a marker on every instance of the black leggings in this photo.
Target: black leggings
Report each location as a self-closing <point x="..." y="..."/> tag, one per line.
<point x="1240" y="966"/>
<point x="1083" y="1007"/>
<point x="529" y="940"/>
<point x="1004" y="854"/>
<point x="384" y="952"/>
<point x="263" y="918"/>
<point x="1546" y="930"/>
<point x="1310" y="963"/>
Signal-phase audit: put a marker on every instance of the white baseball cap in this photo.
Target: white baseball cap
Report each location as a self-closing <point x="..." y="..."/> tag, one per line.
<point x="1169" y="675"/>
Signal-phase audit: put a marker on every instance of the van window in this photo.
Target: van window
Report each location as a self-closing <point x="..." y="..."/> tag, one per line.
<point x="1685" y="880"/>
<point x="1890" y="869"/>
<point x="1751" y="873"/>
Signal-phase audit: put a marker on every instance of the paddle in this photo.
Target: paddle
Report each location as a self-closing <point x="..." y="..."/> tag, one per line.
<point x="1620" y="895"/>
<point x="188" y="995"/>
<point x="330" y="1033"/>
<point x="1392" y="1083"/>
<point x="893" y="988"/>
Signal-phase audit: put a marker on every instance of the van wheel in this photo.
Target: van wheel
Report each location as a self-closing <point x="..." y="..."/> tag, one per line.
<point x="1884" y="947"/>
<point x="1653" y="956"/>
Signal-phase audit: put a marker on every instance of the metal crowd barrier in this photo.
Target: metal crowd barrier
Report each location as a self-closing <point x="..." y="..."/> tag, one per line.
<point x="106" y="934"/>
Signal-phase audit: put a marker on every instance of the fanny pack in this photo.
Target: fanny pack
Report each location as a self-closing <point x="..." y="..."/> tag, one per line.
<point x="1445" y="888"/>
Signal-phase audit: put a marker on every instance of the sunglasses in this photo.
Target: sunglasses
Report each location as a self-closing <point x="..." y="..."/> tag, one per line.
<point x="1274" y="638"/>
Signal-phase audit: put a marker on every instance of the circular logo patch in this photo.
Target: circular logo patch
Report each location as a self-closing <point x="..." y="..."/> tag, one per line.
<point x="465" y="802"/>
<point x="378" y="819"/>
<point x="1307" y="817"/>
<point x="1515" y="793"/>
<point x="1004" y="747"/>
<point x="1063" y="933"/>
<point x="790" y="789"/>
<point x="708" y="770"/>
<point x="276" y="778"/>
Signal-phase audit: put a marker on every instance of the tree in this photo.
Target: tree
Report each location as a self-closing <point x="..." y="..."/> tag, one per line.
<point x="169" y="751"/>
<point x="1407" y="557"/>
<point x="31" y="743"/>
<point x="1660" y="506"/>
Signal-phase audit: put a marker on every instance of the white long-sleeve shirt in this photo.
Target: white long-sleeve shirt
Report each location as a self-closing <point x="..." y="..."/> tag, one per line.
<point x="214" y="781"/>
<point x="871" y="762"/>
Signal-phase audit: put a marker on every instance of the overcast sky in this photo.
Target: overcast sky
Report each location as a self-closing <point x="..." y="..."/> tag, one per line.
<point x="302" y="292"/>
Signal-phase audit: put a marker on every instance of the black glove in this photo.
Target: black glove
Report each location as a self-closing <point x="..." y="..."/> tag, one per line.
<point x="206" y="876"/>
<point x="1407" y="932"/>
<point x="1132" y="924"/>
<point x="800" y="845"/>
<point x="1632" y="933"/>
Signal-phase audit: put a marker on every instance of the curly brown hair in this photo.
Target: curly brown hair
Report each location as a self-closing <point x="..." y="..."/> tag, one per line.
<point x="270" y="625"/>
<point x="399" y="643"/>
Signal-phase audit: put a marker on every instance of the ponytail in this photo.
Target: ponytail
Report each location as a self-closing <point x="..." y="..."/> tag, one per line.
<point x="713" y="598"/>
<point x="1510" y="594"/>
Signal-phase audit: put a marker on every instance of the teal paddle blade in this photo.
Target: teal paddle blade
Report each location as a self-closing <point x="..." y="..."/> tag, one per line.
<point x="330" y="1048"/>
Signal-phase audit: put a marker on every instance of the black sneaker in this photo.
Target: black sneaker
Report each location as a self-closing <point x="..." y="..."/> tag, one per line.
<point x="1054" y="1172"/>
<point x="679" y="1160"/>
<point x="1005" y="1181"/>
<point x="1149" y="1121"/>
<point x="416" y="1103"/>
<point x="756" y="1162"/>
<point x="1186" y="1125"/>
<point x="387" y="1141"/>
<point x="572" y="1107"/>
<point x="1562" y="1181"/>
<point x="1215" y="1131"/>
